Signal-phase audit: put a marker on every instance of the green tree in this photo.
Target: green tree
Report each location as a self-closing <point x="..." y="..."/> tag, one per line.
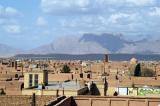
<point x="66" y="69"/>
<point x="2" y="92"/>
<point x="146" y="72"/>
<point x="141" y="70"/>
<point x="16" y="75"/>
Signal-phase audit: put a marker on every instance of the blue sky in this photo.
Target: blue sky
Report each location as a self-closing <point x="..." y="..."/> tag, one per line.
<point x="30" y="23"/>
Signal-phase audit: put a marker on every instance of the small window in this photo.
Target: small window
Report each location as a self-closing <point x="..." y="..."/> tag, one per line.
<point x="30" y="80"/>
<point x="36" y="80"/>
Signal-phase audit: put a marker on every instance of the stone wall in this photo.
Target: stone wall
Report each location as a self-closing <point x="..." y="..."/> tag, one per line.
<point x="24" y="100"/>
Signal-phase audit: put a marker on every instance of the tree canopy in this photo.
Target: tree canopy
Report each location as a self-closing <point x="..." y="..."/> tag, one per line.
<point x="66" y="69"/>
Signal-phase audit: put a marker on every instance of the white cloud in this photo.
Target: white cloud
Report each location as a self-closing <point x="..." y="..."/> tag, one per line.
<point x="125" y="16"/>
<point x="64" y="7"/>
<point x="8" y="12"/>
<point x="141" y="2"/>
<point x="82" y="3"/>
<point x="117" y="22"/>
<point x="127" y="2"/>
<point x="115" y="17"/>
<point x="41" y="21"/>
<point x="155" y="11"/>
<point x="82" y="22"/>
<point x="9" y="21"/>
<point x="12" y="29"/>
<point x="11" y="11"/>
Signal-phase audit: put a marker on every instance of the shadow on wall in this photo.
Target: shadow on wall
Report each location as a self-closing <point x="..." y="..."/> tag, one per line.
<point x="73" y="102"/>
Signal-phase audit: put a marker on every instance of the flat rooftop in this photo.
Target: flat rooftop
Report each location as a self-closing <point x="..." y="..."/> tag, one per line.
<point x="67" y="85"/>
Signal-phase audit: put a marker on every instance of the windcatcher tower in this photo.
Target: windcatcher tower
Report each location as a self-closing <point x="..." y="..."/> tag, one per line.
<point x="106" y="58"/>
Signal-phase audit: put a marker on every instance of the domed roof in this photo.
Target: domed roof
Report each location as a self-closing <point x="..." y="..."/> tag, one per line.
<point x="133" y="61"/>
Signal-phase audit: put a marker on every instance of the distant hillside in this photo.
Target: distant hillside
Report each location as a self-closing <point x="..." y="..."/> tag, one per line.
<point x="6" y="50"/>
<point x="90" y="43"/>
<point x="112" y="57"/>
<point x="109" y="41"/>
<point x="143" y="47"/>
<point x="98" y="43"/>
<point x="70" y="45"/>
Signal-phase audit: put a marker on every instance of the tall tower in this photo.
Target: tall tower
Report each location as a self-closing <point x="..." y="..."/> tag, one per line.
<point x="106" y="59"/>
<point x="16" y="65"/>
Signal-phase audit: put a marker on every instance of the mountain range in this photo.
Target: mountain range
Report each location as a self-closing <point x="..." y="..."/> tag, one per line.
<point x="6" y="50"/>
<point x="90" y="43"/>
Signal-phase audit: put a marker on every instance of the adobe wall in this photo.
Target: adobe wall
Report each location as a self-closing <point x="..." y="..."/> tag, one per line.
<point x="115" y="101"/>
<point x="23" y="100"/>
<point x="60" y="92"/>
<point x="65" y="102"/>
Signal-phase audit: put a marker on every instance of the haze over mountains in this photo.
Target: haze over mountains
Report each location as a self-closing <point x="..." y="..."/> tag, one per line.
<point x="90" y="43"/>
<point x="98" y="43"/>
<point x="6" y="50"/>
